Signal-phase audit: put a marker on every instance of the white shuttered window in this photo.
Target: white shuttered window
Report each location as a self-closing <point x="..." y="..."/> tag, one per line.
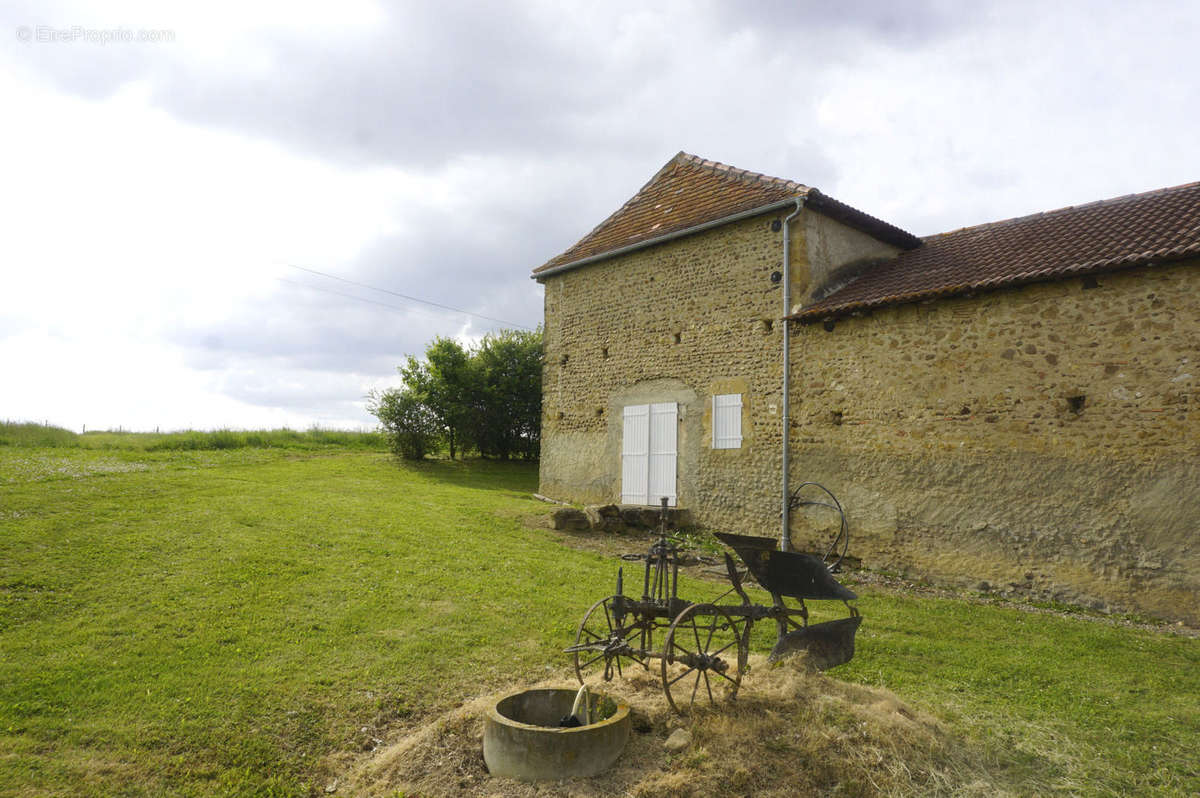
<point x="727" y="421"/>
<point x="649" y="449"/>
<point x="635" y="455"/>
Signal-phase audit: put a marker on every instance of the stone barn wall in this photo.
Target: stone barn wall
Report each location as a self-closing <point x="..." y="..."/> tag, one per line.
<point x="1044" y="440"/>
<point x="679" y="322"/>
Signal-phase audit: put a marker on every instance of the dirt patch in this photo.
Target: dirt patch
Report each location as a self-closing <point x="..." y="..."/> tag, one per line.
<point x="608" y="543"/>
<point x="789" y="733"/>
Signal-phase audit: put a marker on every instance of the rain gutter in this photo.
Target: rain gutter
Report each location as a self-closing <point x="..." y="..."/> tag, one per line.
<point x="785" y="542"/>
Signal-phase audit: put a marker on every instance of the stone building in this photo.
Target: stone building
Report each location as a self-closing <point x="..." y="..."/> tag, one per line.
<point x="1010" y="404"/>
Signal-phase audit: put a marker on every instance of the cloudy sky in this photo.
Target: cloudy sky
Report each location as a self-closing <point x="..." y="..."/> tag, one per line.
<point x="165" y="168"/>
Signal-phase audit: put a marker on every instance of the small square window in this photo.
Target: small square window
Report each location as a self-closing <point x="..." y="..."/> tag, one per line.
<point x="727" y="421"/>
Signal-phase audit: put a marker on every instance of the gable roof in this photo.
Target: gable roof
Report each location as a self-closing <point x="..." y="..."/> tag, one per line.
<point x="690" y="194"/>
<point x="1133" y="230"/>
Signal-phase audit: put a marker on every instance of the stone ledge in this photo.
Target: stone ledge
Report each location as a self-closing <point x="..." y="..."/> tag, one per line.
<point x="617" y="518"/>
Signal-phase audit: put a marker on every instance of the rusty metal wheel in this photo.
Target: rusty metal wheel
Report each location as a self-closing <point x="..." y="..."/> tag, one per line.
<point x="609" y="640"/>
<point x="704" y="656"/>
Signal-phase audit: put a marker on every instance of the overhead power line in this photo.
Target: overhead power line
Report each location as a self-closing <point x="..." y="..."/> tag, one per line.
<point x="396" y="308"/>
<point x="392" y="293"/>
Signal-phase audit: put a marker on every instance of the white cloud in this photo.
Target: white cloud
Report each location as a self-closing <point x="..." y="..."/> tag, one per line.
<point x="129" y="225"/>
<point x="1028" y="112"/>
<point x="153" y="195"/>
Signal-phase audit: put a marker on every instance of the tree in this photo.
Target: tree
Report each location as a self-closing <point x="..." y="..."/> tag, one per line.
<point x="411" y="427"/>
<point x="444" y="381"/>
<point x="508" y="399"/>
<point x="488" y="397"/>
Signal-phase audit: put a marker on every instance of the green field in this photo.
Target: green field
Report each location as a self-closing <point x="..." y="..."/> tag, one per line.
<point x="45" y="436"/>
<point x="234" y="621"/>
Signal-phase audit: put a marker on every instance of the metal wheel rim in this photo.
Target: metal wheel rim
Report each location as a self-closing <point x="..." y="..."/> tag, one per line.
<point x="714" y="637"/>
<point x="586" y="659"/>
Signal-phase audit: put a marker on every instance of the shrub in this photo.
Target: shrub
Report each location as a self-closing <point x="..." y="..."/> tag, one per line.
<point x="412" y="428"/>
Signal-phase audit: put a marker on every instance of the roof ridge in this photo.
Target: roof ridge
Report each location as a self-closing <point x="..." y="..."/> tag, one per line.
<point x="1064" y="209"/>
<point x="725" y="170"/>
<point x="684" y="158"/>
<point x="689" y="193"/>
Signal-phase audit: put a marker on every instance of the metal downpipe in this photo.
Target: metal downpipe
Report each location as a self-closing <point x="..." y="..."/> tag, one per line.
<point x="785" y="541"/>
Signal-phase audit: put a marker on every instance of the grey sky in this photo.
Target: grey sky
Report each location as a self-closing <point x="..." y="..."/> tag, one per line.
<point x="158" y="190"/>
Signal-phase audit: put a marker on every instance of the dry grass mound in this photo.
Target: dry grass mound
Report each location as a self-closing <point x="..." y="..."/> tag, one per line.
<point x="789" y="733"/>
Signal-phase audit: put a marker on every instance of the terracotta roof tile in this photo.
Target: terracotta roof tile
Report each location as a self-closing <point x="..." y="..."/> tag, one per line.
<point x="1110" y="234"/>
<point x="690" y="191"/>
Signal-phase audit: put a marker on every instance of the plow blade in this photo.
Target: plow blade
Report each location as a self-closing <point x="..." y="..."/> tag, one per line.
<point x="787" y="573"/>
<point x="828" y="644"/>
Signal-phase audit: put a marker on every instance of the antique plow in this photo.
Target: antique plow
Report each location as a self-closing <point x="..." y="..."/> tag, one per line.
<point x="700" y="650"/>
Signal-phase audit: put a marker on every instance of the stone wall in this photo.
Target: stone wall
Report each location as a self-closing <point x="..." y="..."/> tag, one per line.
<point x="833" y="254"/>
<point x="677" y="322"/>
<point x="1042" y="440"/>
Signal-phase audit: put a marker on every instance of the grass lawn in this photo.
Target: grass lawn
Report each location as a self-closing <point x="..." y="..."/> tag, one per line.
<point x="228" y="622"/>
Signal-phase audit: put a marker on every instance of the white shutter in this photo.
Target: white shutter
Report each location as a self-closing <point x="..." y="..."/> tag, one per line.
<point x="664" y="428"/>
<point x="635" y="454"/>
<point x="727" y="421"/>
<point x="649" y="451"/>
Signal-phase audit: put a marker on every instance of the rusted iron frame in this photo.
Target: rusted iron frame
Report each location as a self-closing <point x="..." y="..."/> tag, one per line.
<point x="647" y="613"/>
